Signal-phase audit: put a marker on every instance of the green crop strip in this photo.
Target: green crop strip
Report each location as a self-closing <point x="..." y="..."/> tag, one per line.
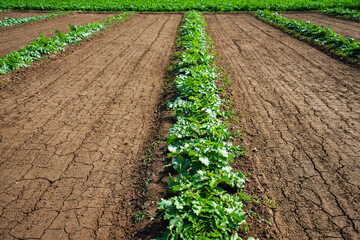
<point x="177" y="5"/>
<point x="344" y="13"/>
<point x="323" y="37"/>
<point x="17" y="21"/>
<point x="201" y="206"/>
<point x="43" y="45"/>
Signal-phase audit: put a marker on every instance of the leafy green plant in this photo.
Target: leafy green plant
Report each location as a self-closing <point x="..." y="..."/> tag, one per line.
<point x="345" y="47"/>
<point x="343" y="13"/>
<point x="43" y="45"/>
<point x="141" y="214"/>
<point x="18" y="21"/>
<point x="176" y="5"/>
<point x="207" y="200"/>
<point x="271" y="203"/>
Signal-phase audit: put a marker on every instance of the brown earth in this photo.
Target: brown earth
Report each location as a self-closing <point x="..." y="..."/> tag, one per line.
<point x="20" y="14"/>
<point x="301" y="112"/>
<point x="343" y="27"/>
<point x="73" y="132"/>
<point x="16" y="37"/>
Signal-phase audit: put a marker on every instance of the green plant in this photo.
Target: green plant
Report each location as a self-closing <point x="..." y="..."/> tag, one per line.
<point x="141" y="214"/>
<point x="207" y="200"/>
<point x="43" y="45"/>
<point x="271" y="203"/>
<point x="343" y="13"/>
<point x="18" y="21"/>
<point x="176" y="5"/>
<point x="268" y="222"/>
<point x="324" y="37"/>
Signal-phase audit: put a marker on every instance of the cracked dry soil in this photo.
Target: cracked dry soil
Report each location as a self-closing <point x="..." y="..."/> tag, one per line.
<point x="72" y="133"/>
<point x="301" y="110"/>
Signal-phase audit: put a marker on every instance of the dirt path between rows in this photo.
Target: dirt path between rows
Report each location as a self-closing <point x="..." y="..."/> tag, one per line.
<point x="345" y="28"/>
<point x="20" y="14"/>
<point x="301" y="112"/>
<point x="16" y="37"/>
<point x="72" y="134"/>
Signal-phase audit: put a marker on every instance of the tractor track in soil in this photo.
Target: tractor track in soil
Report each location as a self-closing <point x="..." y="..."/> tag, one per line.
<point x="301" y="112"/>
<point x="15" y="37"/>
<point x="344" y="27"/>
<point x="72" y="134"/>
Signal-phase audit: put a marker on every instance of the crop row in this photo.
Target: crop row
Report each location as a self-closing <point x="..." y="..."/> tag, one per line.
<point x="176" y="5"/>
<point x="43" y="45"/>
<point x="323" y="37"/>
<point x="17" y="21"/>
<point x="201" y="206"/>
<point x="344" y="13"/>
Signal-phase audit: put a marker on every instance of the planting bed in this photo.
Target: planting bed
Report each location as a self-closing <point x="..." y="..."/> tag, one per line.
<point x="20" y="14"/>
<point x="300" y="109"/>
<point x="73" y="132"/>
<point x="16" y="37"/>
<point x="346" y="28"/>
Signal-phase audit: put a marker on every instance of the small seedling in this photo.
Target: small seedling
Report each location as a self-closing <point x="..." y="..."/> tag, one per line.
<point x="271" y="203"/>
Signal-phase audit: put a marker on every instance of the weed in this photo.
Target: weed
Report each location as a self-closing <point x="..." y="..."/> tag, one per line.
<point x="271" y="203"/>
<point x="268" y="222"/>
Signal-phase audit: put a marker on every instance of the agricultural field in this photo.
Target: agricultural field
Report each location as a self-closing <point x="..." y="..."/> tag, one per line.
<point x="176" y="5"/>
<point x="14" y="38"/>
<point x="21" y="14"/>
<point x="343" y="27"/>
<point x="179" y="120"/>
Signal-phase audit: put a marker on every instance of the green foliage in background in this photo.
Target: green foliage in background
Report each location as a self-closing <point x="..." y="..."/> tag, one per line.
<point x="176" y="5"/>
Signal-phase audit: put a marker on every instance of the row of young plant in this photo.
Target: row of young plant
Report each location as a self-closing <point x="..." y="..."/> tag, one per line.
<point x="201" y="206"/>
<point x="43" y="45"/>
<point x="176" y="5"/>
<point x="18" y="21"/>
<point x="344" y="13"/>
<point x="324" y="37"/>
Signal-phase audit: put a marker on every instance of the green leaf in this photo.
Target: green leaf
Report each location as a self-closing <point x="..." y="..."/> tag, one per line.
<point x="204" y="160"/>
<point x="176" y="222"/>
<point x="172" y="148"/>
<point x="235" y="237"/>
<point x="164" y="204"/>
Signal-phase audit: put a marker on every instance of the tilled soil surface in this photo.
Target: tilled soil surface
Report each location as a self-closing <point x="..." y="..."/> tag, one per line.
<point x="20" y="14"/>
<point x="14" y="38"/>
<point x="72" y="134"/>
<point x="345" y="28"/>
<point x="301" y="112"/>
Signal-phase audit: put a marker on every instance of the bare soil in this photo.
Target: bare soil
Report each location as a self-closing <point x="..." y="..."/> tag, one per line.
<point x="301" y="112"/>
<point x="344" y="27"/>
<point x="20" y="14"/>
<point x="14" y="38"/>
<point x="73" y="133"/>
